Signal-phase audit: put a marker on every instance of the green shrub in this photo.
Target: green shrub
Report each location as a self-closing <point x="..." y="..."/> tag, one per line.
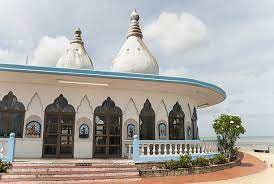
<point x="200" y="162"/>
<point x="218" y="159"/>
<point x="185" y="161"/>
<point x="172" y="165"/>
<point x="4" y="166"/>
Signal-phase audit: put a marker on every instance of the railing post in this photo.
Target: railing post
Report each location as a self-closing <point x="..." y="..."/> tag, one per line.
<point x="136" y="149"/>
<point x="11" y="148"/>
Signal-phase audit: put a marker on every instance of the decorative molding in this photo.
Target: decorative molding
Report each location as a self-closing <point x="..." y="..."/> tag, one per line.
<point x="84" y="106"/>
<point x="35" y="102"/>
<point x="161" y="109"/>
<point x="131" y="108"/>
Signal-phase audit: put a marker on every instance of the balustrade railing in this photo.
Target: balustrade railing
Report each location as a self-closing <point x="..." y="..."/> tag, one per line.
<point x="7" y="148"/>
<point x="163" y="150"/>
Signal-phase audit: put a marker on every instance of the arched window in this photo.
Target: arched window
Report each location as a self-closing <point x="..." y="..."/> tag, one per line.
<point x="107" y="130"/>
<point x="130" y="131"/>
<point x="176" y="120"/>
<point x="59" y="129"/>
<point x="162" y="131"/>
<point x="33" y="129"/>
<point x="12" y="115"/>
<point x="147" y="122"/>
<point x="194" y="124"/>
<point x="84" y="131"/>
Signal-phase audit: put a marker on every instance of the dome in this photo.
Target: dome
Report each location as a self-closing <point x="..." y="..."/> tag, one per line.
<point x="75" y="55"/>
<point x="134" y="56"/>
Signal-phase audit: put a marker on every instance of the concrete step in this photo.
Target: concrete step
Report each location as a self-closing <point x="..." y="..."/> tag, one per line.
<point x="73" y="180"/>
<point x="72" y="165"/>
<point x="67" y="174"/>
<point x="70" y="173"/>
<point x="69" y="169"/>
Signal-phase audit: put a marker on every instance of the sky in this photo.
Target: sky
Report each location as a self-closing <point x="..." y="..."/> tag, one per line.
<point x="227" y="43"/>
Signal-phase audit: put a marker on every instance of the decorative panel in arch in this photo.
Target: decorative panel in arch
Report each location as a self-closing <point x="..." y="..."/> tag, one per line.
<point x="84" y="131"/>
<point x="33" y="129"/>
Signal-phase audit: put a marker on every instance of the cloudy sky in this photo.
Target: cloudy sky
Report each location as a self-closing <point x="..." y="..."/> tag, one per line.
<point x="227" y="43"/>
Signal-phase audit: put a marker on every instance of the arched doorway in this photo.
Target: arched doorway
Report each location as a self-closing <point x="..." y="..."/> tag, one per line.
<point x="58" y="139"/>
<point x="194" y="124"/>
<point x="176" y="120"/>
<point x="147" y="122"/>
<point x="12" y="115"/>
<point x="107" y="130"/>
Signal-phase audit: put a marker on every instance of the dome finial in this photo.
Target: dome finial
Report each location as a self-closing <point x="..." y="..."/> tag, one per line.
<point x="134" y="16"/>
<point x="77" y="38"/>
<point x="75" y="55"/>
<point x="134" y="28"/>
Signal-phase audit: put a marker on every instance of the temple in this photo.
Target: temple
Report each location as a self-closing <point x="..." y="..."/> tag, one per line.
<point x="74" y="111"/>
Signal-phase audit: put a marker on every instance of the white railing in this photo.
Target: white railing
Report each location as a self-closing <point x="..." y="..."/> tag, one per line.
<point x="160" y="150"/>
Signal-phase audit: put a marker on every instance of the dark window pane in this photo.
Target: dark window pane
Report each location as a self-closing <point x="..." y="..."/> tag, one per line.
<point x="67" y="119"/>
<point x="50" y="150"/>
<point x="66" y="150"/>
<point x="101" y="140"/>
<point x="52" y="119"/>
<point x="66" y="139"/>
<point x="66" y="129"/>
<point x="16" y="124"/>
<point x="100" y="150"/>
<point x="51" y="129"/>
<point x="114" y="150"/>
<point x="4" y="124"/>
<point x="114" y="140"/>
<point x="51" y="139"/>
<point x="114" y="130"/>
<point x="147" y="122"/>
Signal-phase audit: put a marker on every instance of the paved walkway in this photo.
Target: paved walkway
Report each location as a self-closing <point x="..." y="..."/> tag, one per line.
<point x="250" y="165"/>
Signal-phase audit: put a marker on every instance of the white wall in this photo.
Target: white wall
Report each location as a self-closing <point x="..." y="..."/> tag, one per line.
<point x="85" y="99"/>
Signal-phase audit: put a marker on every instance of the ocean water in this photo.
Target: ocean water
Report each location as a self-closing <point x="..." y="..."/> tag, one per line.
<point x="252" y="142"/>
<point x="256" y="142"/>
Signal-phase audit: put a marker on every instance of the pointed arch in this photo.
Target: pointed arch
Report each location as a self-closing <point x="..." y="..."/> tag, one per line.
<point x="12" y="115"/>
<point x="147" y="122"/>
<point x="194" y="124"/>
<point x="35" y="102"/>
<point x="60" y="104"/>
<point x="161" y="109"/>
<point x="176" y="120"/>
<point x="131" y="108"/>
<point x="107" y="130"/>
<point x="84" y="106"/>
<point x="59" y="123"/>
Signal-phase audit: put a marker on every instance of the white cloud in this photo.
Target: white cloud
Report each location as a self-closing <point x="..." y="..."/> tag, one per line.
<point x="10" y="56"/>
<point x="176" y="33"/>
<point x="179" y="72"/>
<point x="49" y="50"/>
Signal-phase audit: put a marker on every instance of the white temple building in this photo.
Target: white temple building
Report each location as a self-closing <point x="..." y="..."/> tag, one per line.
<point x="74" y="111"/>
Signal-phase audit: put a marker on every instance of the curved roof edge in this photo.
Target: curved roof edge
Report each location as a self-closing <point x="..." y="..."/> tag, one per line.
<point x="108" y="74"/>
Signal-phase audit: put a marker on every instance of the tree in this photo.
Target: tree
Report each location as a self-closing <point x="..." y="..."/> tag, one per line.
<point x="228" y="129"/>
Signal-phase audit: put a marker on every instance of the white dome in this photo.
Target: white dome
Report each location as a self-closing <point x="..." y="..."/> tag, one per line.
<point x="75" y="55"/>
<point x="134" y="56"/>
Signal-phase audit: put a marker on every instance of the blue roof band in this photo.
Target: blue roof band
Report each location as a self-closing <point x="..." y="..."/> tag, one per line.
<point x="108" y="74"/>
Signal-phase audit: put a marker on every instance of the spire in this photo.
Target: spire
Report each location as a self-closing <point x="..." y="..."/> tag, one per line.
<point x="134" y="29"/>
<point x="77" y="38"/>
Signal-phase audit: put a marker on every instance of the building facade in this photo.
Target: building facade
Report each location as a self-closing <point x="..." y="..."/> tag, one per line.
<point x="73" y="111"/>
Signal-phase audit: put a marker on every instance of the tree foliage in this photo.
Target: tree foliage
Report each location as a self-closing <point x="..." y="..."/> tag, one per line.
<point x="228" y="129"/>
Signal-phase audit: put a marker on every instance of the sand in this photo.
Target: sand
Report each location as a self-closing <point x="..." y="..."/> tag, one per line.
<point x="264" y="177"/>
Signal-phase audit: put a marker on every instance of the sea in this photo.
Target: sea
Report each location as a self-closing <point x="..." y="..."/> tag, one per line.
<point x="249" y="143"/>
